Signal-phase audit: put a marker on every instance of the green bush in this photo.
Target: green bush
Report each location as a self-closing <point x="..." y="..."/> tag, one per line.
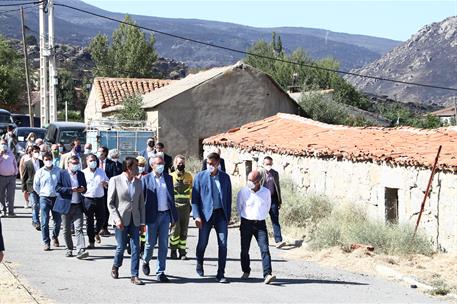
<point x="193" y="164"/>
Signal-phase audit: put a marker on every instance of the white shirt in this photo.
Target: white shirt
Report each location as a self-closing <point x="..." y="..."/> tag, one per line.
<point x="94" y="182"/>
<point x="254" y="205"/>
<point x="130" y="185"/>
<point x="161" y="187"/>
<point x="151" y="154"/>
<point x="74" y="184"/>
<point x="36" y="164"/>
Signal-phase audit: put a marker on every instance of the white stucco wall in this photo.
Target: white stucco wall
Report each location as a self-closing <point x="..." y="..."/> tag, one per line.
<point x="365" y="184"/>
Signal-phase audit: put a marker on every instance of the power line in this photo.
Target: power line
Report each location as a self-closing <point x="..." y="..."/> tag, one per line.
<point x="259" y="55"/>
<point x="20" y="4"/>
<point x="18" y="9"/>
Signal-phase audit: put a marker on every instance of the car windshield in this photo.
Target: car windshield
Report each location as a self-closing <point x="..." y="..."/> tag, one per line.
<point x="5" y="118"/>
<point x="23" y="133"/>
<point x="66" y="136"/>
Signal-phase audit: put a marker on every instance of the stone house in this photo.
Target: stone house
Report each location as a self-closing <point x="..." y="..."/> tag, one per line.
<point x="385" y="170"/>
<point x="446" y="115"/>
<point x="188" y="110"/>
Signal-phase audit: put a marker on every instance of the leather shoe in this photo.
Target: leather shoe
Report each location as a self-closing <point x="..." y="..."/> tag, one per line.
<point x="146" y="269"/>
<point x="200" y="271"/>
<point x="136" y="281"/>
<point x="162" y="278"/>
<point x="115" y="272"/>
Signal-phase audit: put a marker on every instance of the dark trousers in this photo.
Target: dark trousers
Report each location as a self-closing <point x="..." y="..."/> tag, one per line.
<point x="219" y="222"/>
<point x="274" y="215"/>
<point x="258" y="229"/>
<point x="75" y="217"/>
<point x="94" y="207"/>
<point x="121" y="240"/>
<point x="105" y="206"/>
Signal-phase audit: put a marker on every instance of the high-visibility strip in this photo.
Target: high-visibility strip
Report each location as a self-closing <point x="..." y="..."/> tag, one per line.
<point x="174" y="241"/>
<point x="182" y="247"/>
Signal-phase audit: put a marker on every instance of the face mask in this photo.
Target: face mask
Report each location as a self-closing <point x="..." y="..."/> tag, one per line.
<point x="211" y="169"/>
<point x="87" y="151"/>
<point x="159" y="169"/>
<point x="160" y="154"/>
<point x="75" y="168"/>
<point x="181" y="168"/>
<point x="267" y="167"/>
<point x="93" y="164"/>
<point x="250" y="185"/>
<point x="36" y="155"/>
<point x="55" y="153"/>
<point x="99" y="154"/>
<point x="48" y="163"/>
<point x="150" y="144"/>
<point x="60" y="149"/>
<point x="78" y="149"/>
<point x="141" y="169"/>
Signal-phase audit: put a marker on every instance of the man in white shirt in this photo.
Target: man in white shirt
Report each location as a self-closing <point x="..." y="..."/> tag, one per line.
<point x="97" y="182"/>
<point x="253" y="203"/>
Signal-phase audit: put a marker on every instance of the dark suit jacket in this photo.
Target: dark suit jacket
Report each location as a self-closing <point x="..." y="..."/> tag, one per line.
<point x="202" y="205"/>
<point x="28" y="174"/>
<point x="167" y="159"/>
<point x="64" y="191"/>
<point x="112" y="168"/>
<point x="277" y="185"/>
<point x="150" y="198"/>
<point x="204" y="167"/>
<point x="2" y="245"/>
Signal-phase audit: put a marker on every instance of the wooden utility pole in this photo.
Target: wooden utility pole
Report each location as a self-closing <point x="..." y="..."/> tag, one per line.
<point x="27" y="78"/>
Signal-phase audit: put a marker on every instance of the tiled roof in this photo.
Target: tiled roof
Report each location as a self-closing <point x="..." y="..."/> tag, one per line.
<point x="295" y="135"/>
<point x="449" y="111"/>
<point x="111" y="91"/>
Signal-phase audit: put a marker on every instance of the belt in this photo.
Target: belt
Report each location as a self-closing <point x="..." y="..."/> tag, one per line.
<point x="218" y="210"/>
<point x="165" y="211"/>
<point x="252" y="221"/>
<point x="7" y="175"/>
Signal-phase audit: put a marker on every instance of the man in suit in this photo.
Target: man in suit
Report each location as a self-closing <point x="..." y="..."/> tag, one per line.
<point x="160" y="215"/>
<point x="149" y="152"/>
<point x="75" y="151"/>
<point x="160" y="149"/>
<point x="2" y="245"/>
<point x="271" y="182"/>
<point x="27" y="175"/>
<point x="111" y="169"/>
<point x="69" y="203"/>
<point x="221" y="163"/>
<point x="127" y="214"/>
<point x="113" y="164"/>
<point x="211" y="207"/>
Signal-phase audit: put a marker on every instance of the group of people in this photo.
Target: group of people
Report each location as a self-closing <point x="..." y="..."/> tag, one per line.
<point x="145" y="196"/>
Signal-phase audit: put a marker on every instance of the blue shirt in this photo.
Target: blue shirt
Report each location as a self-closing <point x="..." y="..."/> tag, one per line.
<point x="45" y="181"/>
<point x="216" y="191"/>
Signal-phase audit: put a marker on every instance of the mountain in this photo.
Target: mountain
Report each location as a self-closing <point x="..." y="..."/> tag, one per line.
<point x="428" y="57"/>
<point x="77" y="28"/>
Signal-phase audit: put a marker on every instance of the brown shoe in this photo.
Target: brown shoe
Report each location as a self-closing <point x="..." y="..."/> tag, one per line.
<point x="55" y="242"/>
<point x="115" y="272"/>
<point x="136" y="281"/>
<point x="97" y="238"/>
<point x="47" y="247"/>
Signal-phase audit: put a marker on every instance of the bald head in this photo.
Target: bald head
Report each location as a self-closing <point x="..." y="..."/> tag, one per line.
<point x="254" y="178"/>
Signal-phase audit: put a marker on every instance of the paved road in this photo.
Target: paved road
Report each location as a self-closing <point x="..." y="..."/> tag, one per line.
<point x="68" y="280"/>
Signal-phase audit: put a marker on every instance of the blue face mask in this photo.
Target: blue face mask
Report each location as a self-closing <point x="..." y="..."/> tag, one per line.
<point x="75" y="168"/>
<point x="159" y="169"/>
<point x="93" y="164"/>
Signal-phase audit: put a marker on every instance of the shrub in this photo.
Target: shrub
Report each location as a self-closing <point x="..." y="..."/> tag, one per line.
<point x="193" y="164"/>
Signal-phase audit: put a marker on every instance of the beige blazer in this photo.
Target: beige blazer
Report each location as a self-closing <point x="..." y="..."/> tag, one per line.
<point x="121" y="206"/>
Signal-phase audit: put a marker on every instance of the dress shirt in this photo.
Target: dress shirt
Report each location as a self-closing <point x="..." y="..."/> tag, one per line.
<point x="8" y="164"/>
<point x="130" y="185"/>
<point x="94" y="181"/>
<point x="150" y="154"/>
<point x="270" y="183"/>
<point x="254" y="205"/>
<point x="45" y="181"/>
<point x="161" y="187"/>
<point x="75" y="198"/>
<point x="216" y="191"/>
<point x="102" y="165"/>
<point x="36" y="164"/>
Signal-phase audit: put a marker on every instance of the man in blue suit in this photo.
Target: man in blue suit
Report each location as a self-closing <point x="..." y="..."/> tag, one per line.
<point x="149" y="152"/>
<point x="211" y="207"/>
<point x="160" y="213"/>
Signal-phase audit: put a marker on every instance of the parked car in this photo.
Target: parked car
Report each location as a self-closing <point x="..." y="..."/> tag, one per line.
<point x="21" y="135"/>
<point x="65" y="132"/>
<point x="23" y="120"/>
<point x="5" y="120"/>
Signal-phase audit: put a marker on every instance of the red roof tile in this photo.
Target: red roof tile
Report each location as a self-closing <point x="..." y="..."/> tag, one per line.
<point x="295" y="135"/>
<point x="111" y="91"/>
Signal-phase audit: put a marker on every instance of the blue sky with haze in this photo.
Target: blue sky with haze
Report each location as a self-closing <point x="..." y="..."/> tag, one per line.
<point x="390" y="19"/>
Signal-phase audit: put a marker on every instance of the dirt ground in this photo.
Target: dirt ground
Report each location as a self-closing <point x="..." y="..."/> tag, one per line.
<point x="12" y="291"/>
<point x="437" y="270"/>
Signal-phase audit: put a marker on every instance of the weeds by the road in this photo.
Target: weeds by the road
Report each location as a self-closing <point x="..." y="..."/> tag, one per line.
<point x="440" y="288"/>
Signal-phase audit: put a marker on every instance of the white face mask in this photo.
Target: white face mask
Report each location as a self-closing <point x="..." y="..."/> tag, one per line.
<point x="141" y="170"/>
<point x="36" y="155"/>
<point x="87" y="151"/>
<point x="211" y="168"/>
<point x="48" y="163"/>
<point x="267" y="167"/>
<point x="250" y="185"/>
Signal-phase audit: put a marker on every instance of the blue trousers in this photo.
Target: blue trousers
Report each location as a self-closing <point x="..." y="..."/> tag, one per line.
<point x="219" y="222"/>
<point x="121" y="240"/>
<point x="158" y="230"/>
<point x="258" y="229"/>
<point x="34" y="200"/>
<point x="274" y="215"/>
<point x="46" y="205"/>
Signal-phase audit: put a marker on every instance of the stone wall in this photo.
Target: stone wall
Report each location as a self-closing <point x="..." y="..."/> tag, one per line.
<point x="365" y="184"/>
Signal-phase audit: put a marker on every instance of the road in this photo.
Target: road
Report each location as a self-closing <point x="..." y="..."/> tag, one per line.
<point x="68" y="280"/>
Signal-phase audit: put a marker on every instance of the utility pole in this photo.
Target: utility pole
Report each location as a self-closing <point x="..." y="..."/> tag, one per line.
<point x="44" y="101"/>
<point x="27" y="78"/>
<point x="52" y="65"/>
<point x="455" y="111"/>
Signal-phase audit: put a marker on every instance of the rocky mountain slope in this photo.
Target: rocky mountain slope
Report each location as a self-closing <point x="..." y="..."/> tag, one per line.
<point x="77" y="29"/>
<point x="429" y="57"/>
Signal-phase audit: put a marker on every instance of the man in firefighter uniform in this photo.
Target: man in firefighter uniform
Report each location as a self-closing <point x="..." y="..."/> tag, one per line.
<point x="182" y="182"/>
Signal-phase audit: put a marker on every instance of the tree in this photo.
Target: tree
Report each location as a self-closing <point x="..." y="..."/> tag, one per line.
<point x="130" y="54"/>
<point x="132" y="109"/>
<point x="12" y="75"/>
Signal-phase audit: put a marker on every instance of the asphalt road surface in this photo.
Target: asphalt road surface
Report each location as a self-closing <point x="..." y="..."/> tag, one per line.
<point x="68" y="280"/>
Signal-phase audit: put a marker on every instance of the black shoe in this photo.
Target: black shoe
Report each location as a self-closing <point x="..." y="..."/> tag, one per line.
<point x="136" y="281"/>
<point x="200" y="271"/>
<point x="69" y="254"/>
<point x="55" y="242"/>
<point x="91" y="245"/>
<point x="221" y="279"/>
<point x="115" y="272"/>
<point x="162" y="278"/>
<point x="146" y="269"/>
<point x="173" y="254"/>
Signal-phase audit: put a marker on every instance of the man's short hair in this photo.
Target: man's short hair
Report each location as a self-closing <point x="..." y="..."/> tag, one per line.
<point x="160" y="145"/>
<point x="267" y="158"/>
<point x="91" y="155"/>
<point x="213" y="156"/>
<point x="35" y="148"/>
<point x="104" y="149"/>
<point x="179" y="156"/>
<point x="73" y="158"/>
<point x="128" y="163"/>
<point x="47" y="155"/>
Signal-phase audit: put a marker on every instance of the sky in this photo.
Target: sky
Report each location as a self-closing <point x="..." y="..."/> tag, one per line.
<point x="392" y="19"/>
